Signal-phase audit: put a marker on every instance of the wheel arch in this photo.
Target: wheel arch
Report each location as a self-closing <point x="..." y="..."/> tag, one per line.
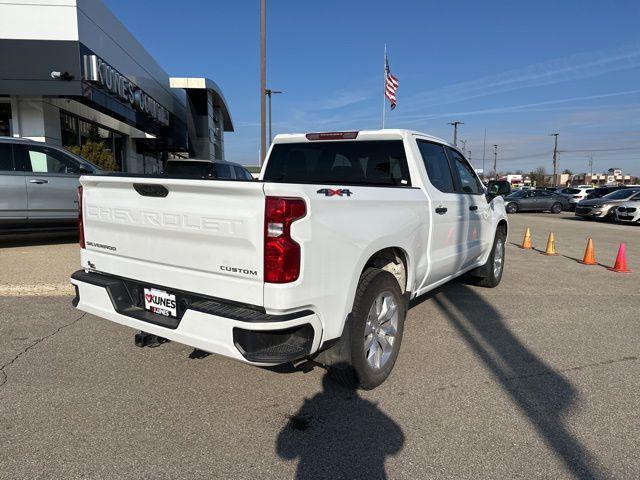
<point x="503" y="225"/>
<point x="395" y="260"/>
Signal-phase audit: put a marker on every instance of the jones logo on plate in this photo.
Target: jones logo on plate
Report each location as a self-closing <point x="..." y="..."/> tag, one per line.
<point x="160" y="302"/>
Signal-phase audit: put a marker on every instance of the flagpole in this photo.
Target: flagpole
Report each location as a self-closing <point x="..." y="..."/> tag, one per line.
<point x="384" y="85"/>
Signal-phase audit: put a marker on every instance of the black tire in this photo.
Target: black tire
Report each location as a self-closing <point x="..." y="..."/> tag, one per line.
<point x="556" y="208"/>
<point x="490" y="279"/>
<point x="359" y="374"/>
<point x="512" y="207"/>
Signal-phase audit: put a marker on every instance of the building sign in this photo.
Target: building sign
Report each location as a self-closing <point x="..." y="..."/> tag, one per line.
<point x="98" y="71"/>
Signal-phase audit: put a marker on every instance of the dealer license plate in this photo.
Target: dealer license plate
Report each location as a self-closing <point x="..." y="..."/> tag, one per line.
<point x="160" y="302"/>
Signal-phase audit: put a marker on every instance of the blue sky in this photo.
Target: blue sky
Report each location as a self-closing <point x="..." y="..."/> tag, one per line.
<point x="521" y="70"/>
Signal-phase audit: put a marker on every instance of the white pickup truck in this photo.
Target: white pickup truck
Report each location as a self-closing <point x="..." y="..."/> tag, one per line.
<point x="317" y="259"/>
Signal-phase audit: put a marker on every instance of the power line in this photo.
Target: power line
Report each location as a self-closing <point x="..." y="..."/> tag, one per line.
<point x="600" y="150"/>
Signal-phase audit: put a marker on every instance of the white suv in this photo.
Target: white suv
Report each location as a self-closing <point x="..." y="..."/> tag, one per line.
<point x="575" y="194"/>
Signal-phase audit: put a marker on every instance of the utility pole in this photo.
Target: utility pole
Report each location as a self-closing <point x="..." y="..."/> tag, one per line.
<point x="464" y="147"/>
<point x="484" y="150"/>
<point x="495" y="161"/>
<point x="263" y="79"/>
<point x="591" y="168"/>
<point x="455" y="131"/>
<point x="268" y="92"/>
<point x="555" y="158"/>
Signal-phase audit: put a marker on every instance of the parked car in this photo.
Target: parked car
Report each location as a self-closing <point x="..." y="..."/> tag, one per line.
<point x="575" y="194"/>
<point x="38" y="185"/>
<point x="604" y="207"/>
<point x="318" y="260"/>
<point x="600" y="192"/>
<point x="535" y="201"/>
<point x="629" y="212"/>
<point x="206" y="169"/>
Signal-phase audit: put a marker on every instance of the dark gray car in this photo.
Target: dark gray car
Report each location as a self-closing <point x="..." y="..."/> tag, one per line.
<point x="604" y="208"/>
<point x="535" y="201"/>
<point x="38" y="185"/>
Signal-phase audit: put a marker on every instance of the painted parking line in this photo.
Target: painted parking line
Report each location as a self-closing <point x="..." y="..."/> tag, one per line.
<point x="36" y="290"/>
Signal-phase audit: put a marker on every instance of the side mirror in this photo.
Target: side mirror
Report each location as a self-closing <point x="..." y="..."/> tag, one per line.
<point x="82" y="170"/>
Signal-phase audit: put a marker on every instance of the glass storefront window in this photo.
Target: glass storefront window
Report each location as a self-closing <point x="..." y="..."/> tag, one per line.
<point x="5" y="119"/>
<point x="88" y="139"/>
<point x="69" y="130"/>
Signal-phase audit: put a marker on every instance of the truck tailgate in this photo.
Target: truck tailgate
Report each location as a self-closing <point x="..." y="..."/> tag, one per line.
<point x="203" y="236"/>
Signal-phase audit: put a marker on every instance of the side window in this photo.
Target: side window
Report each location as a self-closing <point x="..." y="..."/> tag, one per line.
<point x="48" y="160"/>
<point x="240" y="173"/>
<point x="469" y="182"/>
<point x="223" y="171"/>
<point x="437" y="166"/>
<point x="6" y="161"/>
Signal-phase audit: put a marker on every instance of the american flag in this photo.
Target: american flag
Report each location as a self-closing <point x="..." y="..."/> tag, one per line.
<point x="391" y="84"/>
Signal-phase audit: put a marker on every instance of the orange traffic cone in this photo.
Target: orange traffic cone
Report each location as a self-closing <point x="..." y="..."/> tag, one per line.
<point x="526" y="241"/>
<point x="621" y="260"/>
<point x="589" y="254"/>
<point x="551" y="246"/>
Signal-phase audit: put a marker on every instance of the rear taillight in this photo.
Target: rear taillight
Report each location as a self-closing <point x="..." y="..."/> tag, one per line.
<point x="577" y="196"/>
<point x="281" y="252"/>
<point x="80" y="219"/>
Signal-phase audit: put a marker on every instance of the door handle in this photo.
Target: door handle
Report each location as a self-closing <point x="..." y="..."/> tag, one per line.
<point x="39" y="181"/>
<point x="441" y="210"/>
<point x="473" y="208"/>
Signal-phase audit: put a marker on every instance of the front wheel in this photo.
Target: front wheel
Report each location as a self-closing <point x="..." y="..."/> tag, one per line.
<point x="512" y="208"/>
<point x="376" y="327"/>
<point x="492" y="270"/>
<point x="556" y="208"/>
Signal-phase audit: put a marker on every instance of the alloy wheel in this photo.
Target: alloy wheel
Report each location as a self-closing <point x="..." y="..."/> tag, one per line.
<point x="380" y="330"/>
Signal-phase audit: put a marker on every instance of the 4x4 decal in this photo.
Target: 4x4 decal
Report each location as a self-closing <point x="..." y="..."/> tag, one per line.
<point x="328" y="192"/>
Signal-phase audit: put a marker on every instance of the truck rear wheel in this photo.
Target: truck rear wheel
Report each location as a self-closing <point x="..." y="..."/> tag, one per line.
<point x="376" y="327"/>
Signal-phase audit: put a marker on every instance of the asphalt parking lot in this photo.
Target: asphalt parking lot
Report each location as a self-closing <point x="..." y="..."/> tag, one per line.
<point x="538" y="378"/>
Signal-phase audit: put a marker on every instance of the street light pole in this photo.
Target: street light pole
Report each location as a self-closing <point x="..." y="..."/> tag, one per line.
<point x="263" y="79"/>
<point x="555" y="158"/>
<point x="455" y="131"/>
<point x="268" y="92"/>
<point x="495" y="161"/>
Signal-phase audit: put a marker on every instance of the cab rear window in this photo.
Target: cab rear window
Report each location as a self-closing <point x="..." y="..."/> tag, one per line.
<point x="371" y="163"/>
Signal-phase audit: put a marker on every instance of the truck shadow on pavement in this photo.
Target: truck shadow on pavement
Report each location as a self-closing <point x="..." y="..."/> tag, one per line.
<point x="541" y="393"/>
<point x="338" y="434"/>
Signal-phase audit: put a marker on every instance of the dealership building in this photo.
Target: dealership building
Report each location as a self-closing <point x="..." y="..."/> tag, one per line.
<point x="71" y="73"/>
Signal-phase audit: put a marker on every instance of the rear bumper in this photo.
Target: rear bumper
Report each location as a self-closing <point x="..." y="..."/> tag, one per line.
<point x="243" y="333"/>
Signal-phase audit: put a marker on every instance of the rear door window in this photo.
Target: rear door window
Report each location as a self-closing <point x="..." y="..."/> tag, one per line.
<point x="241" y="174"/>
<point x="223" y="171"/>
<point x="6" y="160"/>
<point x="371" y="163"/>
<point x="437" y="165"/>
